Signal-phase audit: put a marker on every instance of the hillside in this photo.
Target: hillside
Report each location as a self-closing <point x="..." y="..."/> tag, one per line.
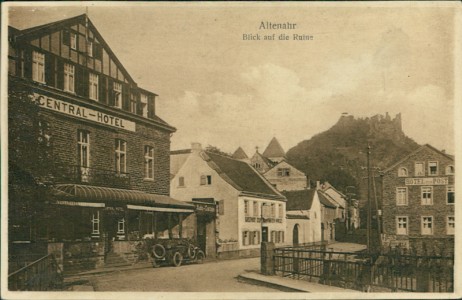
<point x="338" y="155"/>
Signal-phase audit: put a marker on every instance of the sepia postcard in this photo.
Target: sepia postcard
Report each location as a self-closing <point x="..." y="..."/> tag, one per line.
<point x="241" y="150"/>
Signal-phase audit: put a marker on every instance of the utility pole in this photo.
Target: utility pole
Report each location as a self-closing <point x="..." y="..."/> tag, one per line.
<point x="369" y="209"/>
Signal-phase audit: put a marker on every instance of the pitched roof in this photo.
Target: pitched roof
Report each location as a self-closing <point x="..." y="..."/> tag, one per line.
<point x="239" y="154"/>
<point x="299" y="200"/>
<point x="415" y="152"/>
<point x="83" y="18"/>
<point x="325" y="200"/>
<point x="241" y="175"/>
<point x="274" y="149"/>
<point x="266" y="160"/>
<point x="31" y="33"/>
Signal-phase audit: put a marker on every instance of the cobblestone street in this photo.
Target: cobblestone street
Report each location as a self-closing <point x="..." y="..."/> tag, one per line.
<point x="217" y="276"/>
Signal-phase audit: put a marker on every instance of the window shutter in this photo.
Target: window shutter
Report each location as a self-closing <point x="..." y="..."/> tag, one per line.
<point x="139" y="109"/>
<point x="28" y="63"/>
<point x="258" y="237"/>
<point x="102" y="89"/>
<point x="97" y="51"/>
<point x="151" y="107"/>
<point x="110" y="93"/>
<point x="50" y="70"/>
<point x="85" y="83"/>
<point x="60" y="75"/>
<point x="66" y="37"/>
<point x="126" y="97"/>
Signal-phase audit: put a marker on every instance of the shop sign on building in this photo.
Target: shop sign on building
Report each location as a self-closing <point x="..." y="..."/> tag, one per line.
<point x="427" y="181"/>
<point x="83" y="112"/>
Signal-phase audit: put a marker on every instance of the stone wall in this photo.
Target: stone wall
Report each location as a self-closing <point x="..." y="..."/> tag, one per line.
<point x="414" y="209"/>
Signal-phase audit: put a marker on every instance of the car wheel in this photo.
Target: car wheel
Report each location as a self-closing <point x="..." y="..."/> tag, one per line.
<point x="200" y="256"/>
<point x="158" y="251"/>
<point x="177" y="259"/>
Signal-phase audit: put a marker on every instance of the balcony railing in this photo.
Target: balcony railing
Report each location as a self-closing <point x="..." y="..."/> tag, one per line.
<point x="92" y="176"/>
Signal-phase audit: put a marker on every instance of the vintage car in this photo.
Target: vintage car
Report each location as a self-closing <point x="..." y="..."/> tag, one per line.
<point x="175" y="252"/>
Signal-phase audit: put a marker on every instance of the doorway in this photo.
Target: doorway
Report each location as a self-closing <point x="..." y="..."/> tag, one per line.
<point x="264" y="234"/>
<point x="295" y="239"/>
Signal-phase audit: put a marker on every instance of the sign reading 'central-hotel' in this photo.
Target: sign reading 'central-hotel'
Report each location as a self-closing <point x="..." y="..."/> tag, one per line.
<point x="83" y="112"/>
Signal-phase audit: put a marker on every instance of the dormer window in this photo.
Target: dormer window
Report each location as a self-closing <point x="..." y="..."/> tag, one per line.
<point x="402" y="172"/>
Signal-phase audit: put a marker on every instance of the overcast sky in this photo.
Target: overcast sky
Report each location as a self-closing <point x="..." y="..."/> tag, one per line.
<point x="219" y="89"/>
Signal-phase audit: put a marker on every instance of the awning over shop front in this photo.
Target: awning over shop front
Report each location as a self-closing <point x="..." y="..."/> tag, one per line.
<point x="118" y="197"/>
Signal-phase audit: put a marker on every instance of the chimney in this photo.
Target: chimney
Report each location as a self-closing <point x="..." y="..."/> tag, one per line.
<point x="196" y="147"/>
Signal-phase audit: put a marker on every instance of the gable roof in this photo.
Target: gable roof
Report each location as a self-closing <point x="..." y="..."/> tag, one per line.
<point x="240" y="154"/>
<point x="326" y="185"/>
<point x="299" y="200"/>
<point x="325" y="200"/>
<point x="241" y="176"/>
<point x="282" y="162"/>
<point x="274" y="149"/>
<point x="80" y="19"/>
<point x="426" y="146"/>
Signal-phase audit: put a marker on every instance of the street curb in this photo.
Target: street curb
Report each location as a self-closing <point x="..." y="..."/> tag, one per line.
<point x="281" y="287"/>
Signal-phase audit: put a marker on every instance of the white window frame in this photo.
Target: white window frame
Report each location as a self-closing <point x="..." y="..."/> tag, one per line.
<point x="246" y="208"/>
<point x="95" y="223"/>
<point x="84" y="148"/>
<point x="93" y="86"/>
<point x="133" y="104"/>
<point x="415" y="168"/>
<point x="117" y="94"/>
<point x="69" y="78"/>
<point x="425" y="221"/>
<point x="121" y="226"/>
<point x="38" y="67"/>
<point x="144" y="104"/>
<point x="429" y="168"/>
<point x="148" y="162"/>
<point x="450" y="170"/>
<point x="424" y="191"/>
<point x="245" y="238"/>
<point x="73" y="40"/>
<point x="398" y="200"/>
<point x="449" y="189"/>
<point x="121" y="156"/>
<point x="402" y="225"/>
<point x="450" y="230"/>
<point x="404" y="173"/>
<point x="283" y="172"/>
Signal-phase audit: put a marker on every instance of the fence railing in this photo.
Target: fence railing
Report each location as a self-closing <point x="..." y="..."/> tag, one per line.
<point x="94" y="176"/>
<point x="41" y="275"/>
<point x="390" y="272"/>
